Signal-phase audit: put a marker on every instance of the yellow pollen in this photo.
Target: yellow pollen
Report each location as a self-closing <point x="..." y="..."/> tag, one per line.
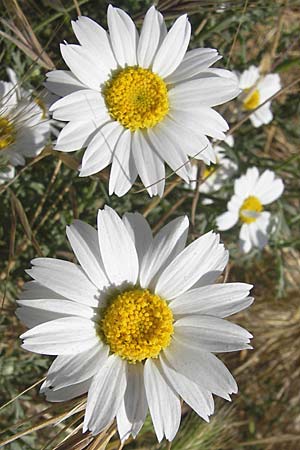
<point x="137" y="325"/>
<point x="7" y="133"/>
<point x="249" y="208"/>
<point x="136" y="97"/>
<point x="252" y="100"/>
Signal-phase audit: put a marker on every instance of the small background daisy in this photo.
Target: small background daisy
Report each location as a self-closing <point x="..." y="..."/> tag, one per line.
<point x="252" y="192"/>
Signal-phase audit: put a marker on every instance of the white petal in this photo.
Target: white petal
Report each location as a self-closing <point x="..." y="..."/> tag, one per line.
<point x="203" y="368"/>
<point x="216" y="267"/>
<point x="165" y="143"/>
<point x="123" y="171"/>
<point x="140" y="233"/>
<point x="72" y="369"/>
<point x="259" y="230"/>
<point x="244" y="186"/>
<point x="164" y="405"/>
<point x="268" y="86"/>
<point x="227" y="220"/>
<point x="66" y="393"/>
<point x="63" y="82"/>
<point x="105" y="395"/>
<point x="189" y="266"/>
<point x="84" y="65"/>
<point x="82" y="105"/>
<point x="84" y="241"/>
<point x="198" y="398"/>
<point x="268" y="188"/>
<point x="91" y="35"/>
<point x="65" y="278"/>
<point x="75" y="135"/>
<point x="117" y="248"/>
<point x="193" y="63"/>
<point x="220" y="300"/>
<point x="132" y="413"/>
<point x="202" y="119"/>
<point x="249" y="77"/>
<point x="34" y="290"/>
<point x="66" y="336"/>
<point x="173" y="47"/>
<point x="100" y="150"/>
<point x="209" y="91"/>
<point x="211" y="334"/>
<point x="123" y="36"/>
<point x="150" y="37"/>
<point x="187" y="141"/>
<point x="245" y="240"/>
<point x="168" y="242"/>
<point x="149" y="164"/>
<point x="34" y="312"/>
<point x="262" y="116"/>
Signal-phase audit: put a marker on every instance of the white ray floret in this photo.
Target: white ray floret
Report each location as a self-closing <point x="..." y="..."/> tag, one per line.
<point x="252" y="192"/>
<point x="139" y="101"/>
<point x="24" y="130"/>
<point x="136" y="324"/>
<point x="215" y="176"/>
<point x="257" y="89"/>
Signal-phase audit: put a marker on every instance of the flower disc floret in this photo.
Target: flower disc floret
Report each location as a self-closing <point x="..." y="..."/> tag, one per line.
<point x="7" y="133"/>
<point x="137" y="325"/>
<point x="250" y="205"/>
<point x="136" y="97"/>
<point x="252" y="100"/>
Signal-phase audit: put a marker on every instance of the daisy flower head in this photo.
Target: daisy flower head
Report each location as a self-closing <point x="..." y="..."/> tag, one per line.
<point x="24" y="130"/>
<point x="138" y="101"/>
<point x="136" y="323"/>
<point x="215" y="175"/>
<point x="257" y="89"/>
<point x="252" y="192"/>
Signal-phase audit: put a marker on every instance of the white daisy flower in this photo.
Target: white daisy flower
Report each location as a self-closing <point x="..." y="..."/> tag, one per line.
<point x="257" y="89"/>
<point x="23" y="129"/>
<point x="251" y="192"/>
<point x="138" y="101"/>
<point x="136" y="324"/>
<point x="217" y="174"/>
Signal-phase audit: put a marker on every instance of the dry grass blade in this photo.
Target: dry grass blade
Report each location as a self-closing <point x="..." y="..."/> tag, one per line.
<point x="22" y="393"/>
<point x="17" y="205"/>
<point x="77" y="441"/>
<point x="55" y="419"/>
<point x="12" y="239"/>
<point x="26" y="39"/>
<point x="70" y="426"/>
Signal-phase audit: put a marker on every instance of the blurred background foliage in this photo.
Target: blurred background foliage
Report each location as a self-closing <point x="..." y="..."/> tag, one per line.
<point x="47" y="195"/>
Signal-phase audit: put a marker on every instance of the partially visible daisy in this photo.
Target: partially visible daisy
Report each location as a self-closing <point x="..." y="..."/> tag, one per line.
<point x="136" y="324"/>
<point x="137" y="102"/>
<point x="7" y="173"/>
<point x="217" y="174"/>
<point x="252" y="192"/>
<point x="23" y="130"/>
<point x="257" y="89"/>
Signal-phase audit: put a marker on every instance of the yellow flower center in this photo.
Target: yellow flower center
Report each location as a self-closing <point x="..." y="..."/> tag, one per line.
<point x="249" y="209"/>
<point x="137" y="325"/>
<point x="252" y="100"/>
<point x="7" y="133"/>
<point x="209" y="171"/>
<point x="136" y="97"/>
